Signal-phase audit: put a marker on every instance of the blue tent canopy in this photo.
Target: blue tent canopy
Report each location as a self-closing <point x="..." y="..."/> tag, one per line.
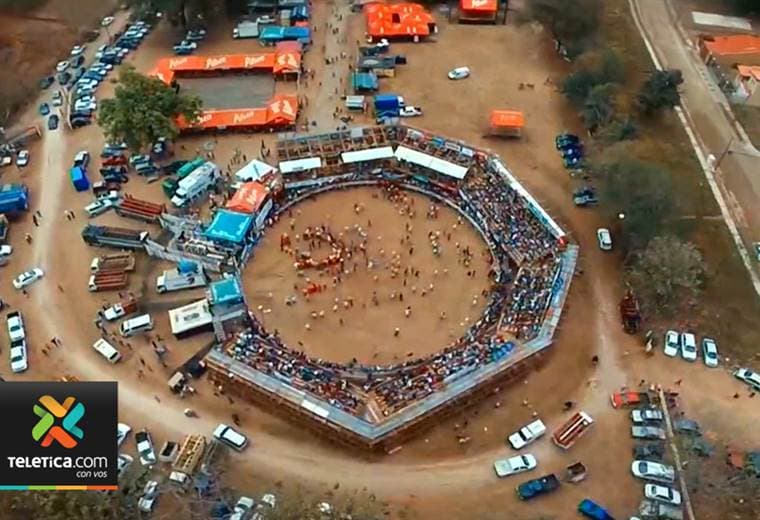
<point x="364" y="81"/>
<point x="229" y="226"/>
<point x="226" y="291"/>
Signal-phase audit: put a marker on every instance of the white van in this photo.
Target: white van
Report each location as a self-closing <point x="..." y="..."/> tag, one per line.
<point x="107" y="350"/>
<point x="136" y="325"/>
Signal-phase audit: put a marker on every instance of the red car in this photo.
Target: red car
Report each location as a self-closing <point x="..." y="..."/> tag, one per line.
<point x="628" y="399"/>
<point x="115" y="160"/>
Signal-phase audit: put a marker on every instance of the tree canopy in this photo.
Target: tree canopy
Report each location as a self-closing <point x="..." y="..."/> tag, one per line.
<point x="639" y="192"/>
<point x="569" y="21"/>
<point x="144" y="109"/>
<point x="660" y="90"/>
<point x="667" y="273"/>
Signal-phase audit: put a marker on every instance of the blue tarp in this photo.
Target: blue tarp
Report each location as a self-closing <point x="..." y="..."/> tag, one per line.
<point x="13" y="198"/>
<point x="363" y="81"/>
<point x="277" y="33"/>
<point x="229" y="226"/>
<point x="226" y="291"/>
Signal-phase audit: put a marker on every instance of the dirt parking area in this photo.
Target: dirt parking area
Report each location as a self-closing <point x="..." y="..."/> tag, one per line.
<point x="249" y="91"/>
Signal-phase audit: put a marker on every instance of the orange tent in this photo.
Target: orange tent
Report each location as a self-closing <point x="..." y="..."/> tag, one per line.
<point x="280" y="111"/>
<point x="507" y="122"/>
<point x="484" y="6"/>
<point x="249" y="198"/>
<point x="398" y="20"/>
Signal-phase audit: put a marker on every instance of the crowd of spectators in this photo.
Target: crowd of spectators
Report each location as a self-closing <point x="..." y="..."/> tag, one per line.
<point x="519" y="242"/>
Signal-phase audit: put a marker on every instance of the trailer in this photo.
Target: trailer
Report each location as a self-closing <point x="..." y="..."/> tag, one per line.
<point x="110" y="281"/>
<point x="196" y="184"/>
<point x="113" y="262"/>
<point x="190" y="454"/>
<point x="569" y="433"/>
<point x="108" y="236"/>
<point x="630" y="314"/>
<point x="131" y="207"/>
<point x="14" y="199"/>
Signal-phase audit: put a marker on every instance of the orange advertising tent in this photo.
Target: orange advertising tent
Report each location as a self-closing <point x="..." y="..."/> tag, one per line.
<point x="249" y="198"/>
<point x="507" y="122"/>
<point x="281" y="111"/>
<point x="398" y="20"/>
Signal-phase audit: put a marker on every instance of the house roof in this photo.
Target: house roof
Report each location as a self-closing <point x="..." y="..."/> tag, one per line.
<point x="733" y="44"/>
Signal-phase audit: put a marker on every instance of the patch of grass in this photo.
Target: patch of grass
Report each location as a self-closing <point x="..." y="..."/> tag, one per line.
<point x="749" y="117"/>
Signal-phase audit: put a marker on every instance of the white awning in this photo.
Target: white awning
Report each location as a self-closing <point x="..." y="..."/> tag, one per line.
<point x="300" y="165"/>
<point x="189" y="317"/>
<point x="253" y="171"/>
<point x="433" y="163"/>
<point x="370" y="154"/>
<point x="315" y="409"/>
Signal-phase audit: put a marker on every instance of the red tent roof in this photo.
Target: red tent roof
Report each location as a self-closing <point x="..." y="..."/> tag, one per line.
<point x="486" y="6"/>
<point x="248" y="199"/>
<point x="410" y="20"/>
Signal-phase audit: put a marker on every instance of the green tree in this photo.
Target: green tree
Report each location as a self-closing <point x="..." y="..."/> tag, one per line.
<point x="667" y="273"/>
<point x="569" y="21"/>
<point x="598" y="68"/>
<point x="144" y="109"/>
<point x="620" y="129"/>
<point x="660" y="90"/>
<point x="186" y="13"/>
<point x="577" y="86"/>
<point x="599" y="107"/>
<point x="639" y="192"/>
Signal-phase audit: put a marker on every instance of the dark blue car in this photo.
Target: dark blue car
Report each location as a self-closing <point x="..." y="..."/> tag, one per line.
<point x="53" y="122"/>
<point x="590" y="509"/>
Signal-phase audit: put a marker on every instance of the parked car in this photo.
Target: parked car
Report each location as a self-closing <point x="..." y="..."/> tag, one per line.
<point x="537" y="487"/>
<point x="628" y="399"/>
<point x="643" y="415"/>
<point x="514" y="465"/>
<point x="655" y="471"/>
<point x="231" y="437"/>
<point x="105" y="22"/>
<point x="672" y="343"/>
<point x="15" y="325"/>
<point x="527" y="434"/>
<point x="100" y="206"/>
<point x="710" y="352"/>
<point x="688" y="346"/>
<point x="145" y="448"/>
<point x="749" y="377"/>
<point x="459" y="73"/>
<point x="148" y="499"/>
<point x="123" y="462"/>
<point x="604" y="238"/>
<point x="122" y="432"/>
<point x="687" y="426"/>
<point x="62" y="66"/>
<point x="591" y="509"/>
<point x="653" y="451"/>
<point x="77" y="50"/>
<point x="566" y="140"/>
<point x="77" y="61"/>
<point x="410" y="112"/>
<point x="662" y="494"/>
<point x="242" y="507"/>
<point x="647" y="432"/>
<point x="57" y="99"/>
<point x="46" y="82"/>
<point x="44" y="109"/>
<point x="5" y="251"/>
<point x="22" y="158"/>
<point x="18" y="354"/>
<point x="27" y="278"/>
<point x="53" y="122"/>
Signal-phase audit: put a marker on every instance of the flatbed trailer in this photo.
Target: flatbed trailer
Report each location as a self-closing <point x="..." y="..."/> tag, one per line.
<point x="108" y="236"/>
<point x="113" y="262"/>
<point x="575" y="427"/>
<point x="110" y="281"/>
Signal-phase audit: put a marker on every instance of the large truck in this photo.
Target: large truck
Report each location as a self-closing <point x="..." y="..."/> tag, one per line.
<point x="187" y="275"/>
<point x="650" y="510"/>
<point x="120" y="238"/>
<point x="388" y="105"/>
<point x="537" y="487"/>
<point x="131" y="207"/>
<point x="107" y="281"/>
<point x="113" y="262"/>
<point x="569" y="433"/>
<point x="196" y="184"/>
<point x="14" y="198"/>
<point x="170" y="184"/>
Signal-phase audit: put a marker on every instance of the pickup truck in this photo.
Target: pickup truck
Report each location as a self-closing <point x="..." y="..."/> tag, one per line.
<point x="537" y="487"/>
<point x="527" y="434"/>
<point x="119" y="310"/>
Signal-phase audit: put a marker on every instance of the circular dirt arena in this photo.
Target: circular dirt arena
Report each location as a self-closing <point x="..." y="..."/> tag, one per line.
<point x="398" y="301"/>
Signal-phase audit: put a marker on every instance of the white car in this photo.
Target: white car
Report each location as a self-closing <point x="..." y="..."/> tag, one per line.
<point x="99" y="206"/>
<point x="123" y="462"/>
<point x="662" y="494"/>
<point x="710" y="352"/>
<point x="145" y="448"/>
<point x="514" y="465"/>
<point x="5" y="250"/>
<point x="410" y="112"/>
<point x="28" y="278"/>
<point x="688" y="346"/>
<point x="604" y="238"/>
<point x="459" y="73"/>
<point x="122" y="432"/>
<point x="268" y="499"/>
<point x="19" y="360"/>
<point x="749" y="377"/>
<point x="646" y="415"/>
<point x="243" y="506"/>
<point x="231" y="437"/>
<point x="22" y="159"/>
<point x="527" y="434"/>
<point x="62" y="66"/>
<point x="85" y="105"/>
<point x="15" y="324"/>
<point x="653" y="471"/>
<point x="57" y="99"/>
<point x="672" y="343"/>
<point x="105" y="22"/>
<point x="148" y="499"/>
<point x="77" y="50"/>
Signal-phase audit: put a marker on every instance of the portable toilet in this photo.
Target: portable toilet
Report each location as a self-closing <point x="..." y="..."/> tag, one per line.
<point x="507" y="123"/>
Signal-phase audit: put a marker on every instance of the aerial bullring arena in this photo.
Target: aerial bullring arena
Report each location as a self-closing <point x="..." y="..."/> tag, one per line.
<point x="396" y="277"/>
